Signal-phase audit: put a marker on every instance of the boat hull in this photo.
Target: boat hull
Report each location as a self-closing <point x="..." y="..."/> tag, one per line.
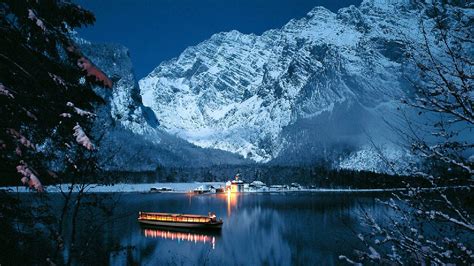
<point x="217" y="225"/>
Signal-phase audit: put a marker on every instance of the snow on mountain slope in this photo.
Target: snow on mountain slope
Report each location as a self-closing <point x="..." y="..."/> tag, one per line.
<point x="129" y="133"/>
<point x="369" y="159"/>
<point x="123" y="101"/>
<point x="239" y="92"/>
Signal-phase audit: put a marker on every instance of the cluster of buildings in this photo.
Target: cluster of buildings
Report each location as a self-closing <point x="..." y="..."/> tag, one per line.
<point x="238" y="185"/>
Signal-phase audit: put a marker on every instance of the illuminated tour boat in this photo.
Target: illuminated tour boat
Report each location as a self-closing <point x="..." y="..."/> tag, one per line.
<point x="180" y="220"/>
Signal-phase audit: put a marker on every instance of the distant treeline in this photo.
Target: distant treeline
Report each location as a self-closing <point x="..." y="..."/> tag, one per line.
<point x="318" y="176"/>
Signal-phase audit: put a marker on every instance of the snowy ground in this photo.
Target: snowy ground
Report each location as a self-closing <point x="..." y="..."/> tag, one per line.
<point x="176" y="187"/>
<point x="184" y="188"/>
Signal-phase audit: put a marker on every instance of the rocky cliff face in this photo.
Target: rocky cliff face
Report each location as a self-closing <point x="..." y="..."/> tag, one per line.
<point x="321" y="87"/>
<point x="124" y="103"/>
<point x="318" y="83"/>
<point x="129" y="133"/>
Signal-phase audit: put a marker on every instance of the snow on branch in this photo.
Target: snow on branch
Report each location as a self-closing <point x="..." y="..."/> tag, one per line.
<point x="342" y="257"/>
<point x="80" y="111"/>
<point x="65" y="115"/>
<point x="29" y="177"/>
<point x="29" y="114"/>
<point x="57" y="79"/>
<point x="374" y="255"/>
<point x="82" y="138"/>
<point x="453" y="161"/>
<point x="24" y="141"/>
<point x="5" y="91"/>
<point x="468" y="226"/>
<point x="32" y="16"/>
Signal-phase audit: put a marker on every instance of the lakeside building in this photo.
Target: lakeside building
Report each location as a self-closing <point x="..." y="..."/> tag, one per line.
<point x="257" y="184"/>
<point x="235" y="185"/>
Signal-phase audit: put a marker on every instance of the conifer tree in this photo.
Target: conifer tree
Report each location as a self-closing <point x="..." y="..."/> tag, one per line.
<point x="46" y="91"/>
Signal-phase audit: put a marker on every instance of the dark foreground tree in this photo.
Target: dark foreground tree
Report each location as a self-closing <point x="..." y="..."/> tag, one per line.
<point x="45" y="88"/>
<point x="434" y="226"/>
<point x="46" y="111"/>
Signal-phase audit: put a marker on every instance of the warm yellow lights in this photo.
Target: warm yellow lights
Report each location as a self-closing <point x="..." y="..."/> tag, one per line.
<point x="174" y="218"/>
<point x="231" y="199"/>
<point x="180" y="236"/>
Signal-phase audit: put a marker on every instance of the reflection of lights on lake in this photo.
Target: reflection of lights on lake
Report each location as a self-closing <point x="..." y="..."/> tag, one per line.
<point x="180" y="236"/>
<point x="189" y="194"/>
<point x="231" y="199"/>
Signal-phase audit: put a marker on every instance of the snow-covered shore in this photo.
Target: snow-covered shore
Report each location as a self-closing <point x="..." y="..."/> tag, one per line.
<point x="186" y="187"/>
<point x="120" y="187"/>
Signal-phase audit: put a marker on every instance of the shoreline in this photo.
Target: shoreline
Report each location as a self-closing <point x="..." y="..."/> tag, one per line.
<point x="180" y="188"/>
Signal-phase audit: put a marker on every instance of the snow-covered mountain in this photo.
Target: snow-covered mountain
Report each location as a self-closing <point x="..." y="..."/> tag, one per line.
<point x="124" y="104"/>
<point x="320" y="82"/>
<point x="129" y="133"/>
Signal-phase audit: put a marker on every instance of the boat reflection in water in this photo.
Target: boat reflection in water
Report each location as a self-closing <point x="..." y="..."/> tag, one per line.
<point x="196" y="236"/>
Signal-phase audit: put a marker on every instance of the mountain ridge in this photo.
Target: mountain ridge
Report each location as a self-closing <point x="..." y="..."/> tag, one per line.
<point x="129" y="135"/>
<point x="238" y="92"/>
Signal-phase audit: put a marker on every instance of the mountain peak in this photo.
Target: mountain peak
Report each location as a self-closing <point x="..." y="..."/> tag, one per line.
<point x="386" y="4"/>
<point x="252" y="95"/>
<point x="319" y="11"/>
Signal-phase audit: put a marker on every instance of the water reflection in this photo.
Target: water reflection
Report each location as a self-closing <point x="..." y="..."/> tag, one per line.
<point x="231" y="199"/>
<point x="180" y="236"/>
<point x="260" y="229"/>
<point x="255" y="237"/>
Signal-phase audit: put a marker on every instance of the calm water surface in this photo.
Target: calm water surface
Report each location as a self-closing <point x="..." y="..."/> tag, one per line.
<point x="270" y="229"/>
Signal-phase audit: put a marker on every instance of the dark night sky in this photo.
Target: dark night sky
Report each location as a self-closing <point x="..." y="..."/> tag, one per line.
<point x="158" y="30"/>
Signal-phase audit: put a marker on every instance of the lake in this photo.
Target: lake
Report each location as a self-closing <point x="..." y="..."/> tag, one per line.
<point x="284" y="228"/>
<point x="259" y="229"/>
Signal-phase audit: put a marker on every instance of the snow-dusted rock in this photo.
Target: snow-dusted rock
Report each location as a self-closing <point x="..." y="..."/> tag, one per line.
<point x="317" y="88"/>
<point x="124" y="103"/>
<point x="129" y="133"/>
<point x="249" y="94"/>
